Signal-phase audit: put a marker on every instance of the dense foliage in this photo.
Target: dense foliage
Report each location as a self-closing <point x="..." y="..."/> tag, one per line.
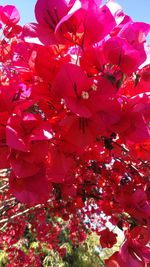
<point x="74" y="133"/>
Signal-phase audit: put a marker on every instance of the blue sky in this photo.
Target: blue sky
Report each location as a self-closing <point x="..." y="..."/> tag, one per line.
<point x="137" y="9"/>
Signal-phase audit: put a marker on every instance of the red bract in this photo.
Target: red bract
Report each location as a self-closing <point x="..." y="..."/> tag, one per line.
<point x="48" y="62"/>
<point x="133" y="251"/>
<point x="107" y="238"/>
<point x="31" y="189"/>
<point x="74" y="130"/>
<point x="9" y="15"/>
<point x="135" y="33"/>
<point x="74" y="90"/>
<point x="48" y="13"/>
<point x="78" y="25"/>
<point x="145" y="73"/>
<point x="60" y="165"/>
<point x="35" y="33"/>
<point x="86" y="129"/>
<point x="119" y="52"/>
<point x="12" y="32"/>
<point x="29" y="163"/>
<point x="136" y="204"/>
<point x="24" y="128"/>
<point x="92" y="60"/>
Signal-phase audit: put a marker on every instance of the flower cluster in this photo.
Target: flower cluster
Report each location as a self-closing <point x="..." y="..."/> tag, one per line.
<point x="75" y="119"/>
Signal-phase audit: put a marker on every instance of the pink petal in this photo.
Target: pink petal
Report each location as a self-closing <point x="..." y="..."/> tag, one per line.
<point x="35" y="33"/>
<point x="43" y="132"/>
<point x="14" y="140"/>
<point x="30" y="190"/>
<point x="10" y="15"/>
<point x="49" y="12"/>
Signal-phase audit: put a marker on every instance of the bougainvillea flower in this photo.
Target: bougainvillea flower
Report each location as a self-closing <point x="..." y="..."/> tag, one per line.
<point x="9" y="15"/>
<point x="74" y="89"/>
<point x="48" y="14"/>
<point x="119" y="52"/>
<point x="145" y="73"/>
<point x="20" y="131"/>
<point x="109" y="109"/>
<point x="135" y="33"/>
<point x="141" y="103"/>
<point x="87" y="129"/>
<point x="76" y="26"/>
<point x="129" y="88"/>
<point x="80" y="92"/>
<point x="35" y="33"/>
<point x="48" y="62"/>
<point x="75" y="129"/>
<point x="135" y="203"/>
<point x="60" y="166"/>
<point x="123" y="21"/>
<point x="92" y="60"/>
<point x="106" y="88"/>
<point x="138" y="123"/>
<point x="134" y="127"/>
<point x="133" y="253"/>
<point x="7" y="93"/>
<point x="14" y="136"/>
<point x="147" y="51"/>
<point x="12" y="32"/>
<point x="22" y="53"/>
<point x="30" y="190"/>
<point x="26" y="164"/>
<point x="107" y="238"/>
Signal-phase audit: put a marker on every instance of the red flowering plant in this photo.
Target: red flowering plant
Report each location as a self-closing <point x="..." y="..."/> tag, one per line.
<point x="75" y="127"/>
